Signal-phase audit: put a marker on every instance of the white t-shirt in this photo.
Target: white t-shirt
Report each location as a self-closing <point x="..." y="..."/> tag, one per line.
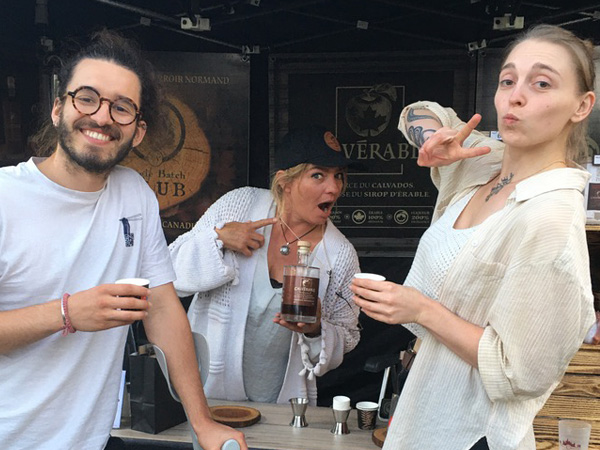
<point x="61" y="392"/>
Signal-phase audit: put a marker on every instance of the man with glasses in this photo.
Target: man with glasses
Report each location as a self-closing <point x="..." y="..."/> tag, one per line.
<point x="87" y="100"/>
<point x="70" y="225"/>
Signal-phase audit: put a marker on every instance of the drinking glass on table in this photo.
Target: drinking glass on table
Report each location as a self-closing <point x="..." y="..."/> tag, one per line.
<point x="573" y="434"/>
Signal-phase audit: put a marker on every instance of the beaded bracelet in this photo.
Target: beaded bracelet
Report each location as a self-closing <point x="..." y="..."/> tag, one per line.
<point x="64" y="310"/>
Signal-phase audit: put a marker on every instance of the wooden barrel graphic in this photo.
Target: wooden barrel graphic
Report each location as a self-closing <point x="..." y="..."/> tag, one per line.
<point x="175" y="168"/>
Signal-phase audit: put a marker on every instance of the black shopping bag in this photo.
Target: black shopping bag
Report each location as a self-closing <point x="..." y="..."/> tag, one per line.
<point x="153" y="409"/>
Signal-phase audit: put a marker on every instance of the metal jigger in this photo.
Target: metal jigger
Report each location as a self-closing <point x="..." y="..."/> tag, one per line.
<point x="299" y="405"/>
<point x="341" y="416"/>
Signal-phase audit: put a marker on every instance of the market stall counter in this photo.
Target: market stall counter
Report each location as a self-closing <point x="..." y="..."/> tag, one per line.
<point x="273" y="430"/>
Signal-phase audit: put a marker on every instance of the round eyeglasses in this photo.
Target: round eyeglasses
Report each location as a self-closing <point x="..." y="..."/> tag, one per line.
<point x="87" y="101"/>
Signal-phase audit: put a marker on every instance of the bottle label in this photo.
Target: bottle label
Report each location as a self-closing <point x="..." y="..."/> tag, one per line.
<point x="301" y="291"/>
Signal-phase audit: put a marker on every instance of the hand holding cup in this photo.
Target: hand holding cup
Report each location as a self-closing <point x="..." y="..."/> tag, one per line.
<point x="108" y="306"/>
<point x="142" y="282"/>
<point x="365" y="284"/>
<point x="386" y="301"/>
<point x="369" y="276"/>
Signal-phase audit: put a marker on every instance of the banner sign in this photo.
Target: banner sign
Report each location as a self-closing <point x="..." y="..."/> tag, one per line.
<point x="205" y="152"/>
<point x="390" y="196"/>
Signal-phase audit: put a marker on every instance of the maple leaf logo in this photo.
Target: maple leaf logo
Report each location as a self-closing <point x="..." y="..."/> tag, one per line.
<point x="359" y="216"/>
<point x="371" y="121"/>
<point x="369" y="113"/>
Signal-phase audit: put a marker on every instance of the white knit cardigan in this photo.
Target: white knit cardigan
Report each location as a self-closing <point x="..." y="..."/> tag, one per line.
<point x="221" y="281"/>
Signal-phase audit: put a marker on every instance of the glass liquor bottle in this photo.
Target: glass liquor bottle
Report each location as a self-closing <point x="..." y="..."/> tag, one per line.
<point x="300" y="288"/>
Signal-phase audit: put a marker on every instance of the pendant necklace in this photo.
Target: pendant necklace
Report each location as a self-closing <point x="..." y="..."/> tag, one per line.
<point x="285" y="249"/>
<point x="504" y="181"/>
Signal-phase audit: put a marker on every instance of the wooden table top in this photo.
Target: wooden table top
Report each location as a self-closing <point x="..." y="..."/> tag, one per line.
<point x="577" y="396"/>
<point x="273" y="431"/>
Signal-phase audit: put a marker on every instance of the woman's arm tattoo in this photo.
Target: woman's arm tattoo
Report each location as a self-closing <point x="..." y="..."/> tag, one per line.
<point x="416" y="133"/>
<point x="412" y="117"/>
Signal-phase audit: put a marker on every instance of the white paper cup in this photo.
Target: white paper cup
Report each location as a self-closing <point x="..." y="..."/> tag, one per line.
<point x="341" y="403"/>
<point x="367" y="406"/>
<point x="137" y="281"/>
<point x="369" y="276"/>
<point x="573" y="434"/>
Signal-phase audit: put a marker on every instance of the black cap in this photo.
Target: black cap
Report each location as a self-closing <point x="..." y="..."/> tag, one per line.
<point x="313" y="145"/>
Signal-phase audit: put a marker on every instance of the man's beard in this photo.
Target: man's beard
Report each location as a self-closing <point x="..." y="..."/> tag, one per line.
<point x="91" y="160"/>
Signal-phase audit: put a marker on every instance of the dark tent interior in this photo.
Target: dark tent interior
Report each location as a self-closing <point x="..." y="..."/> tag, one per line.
<point x="274" y="37"/>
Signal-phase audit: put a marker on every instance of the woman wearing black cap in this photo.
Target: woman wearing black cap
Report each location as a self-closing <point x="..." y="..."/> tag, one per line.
<point x="232" y="261"/>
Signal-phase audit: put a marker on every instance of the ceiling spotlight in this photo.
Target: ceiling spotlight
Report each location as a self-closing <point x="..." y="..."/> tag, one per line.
<point x="509" y="22"/>
<point x="198" y="23"/>
<point x="475" y="45"/>
<point x="254" y="2"/>
<point x="250" y="49"/>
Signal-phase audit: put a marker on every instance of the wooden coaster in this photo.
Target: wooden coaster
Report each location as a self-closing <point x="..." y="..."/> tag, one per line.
<point x="378" y="436"/>
<point x="235" y="416"/>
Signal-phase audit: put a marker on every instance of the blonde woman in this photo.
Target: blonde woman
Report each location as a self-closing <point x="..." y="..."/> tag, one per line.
<point x="232" y="261"/>
<point x="499" y="291"/>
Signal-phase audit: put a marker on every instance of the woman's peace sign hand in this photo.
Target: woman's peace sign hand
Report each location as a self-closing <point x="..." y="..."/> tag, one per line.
<point x="445" y="146"/>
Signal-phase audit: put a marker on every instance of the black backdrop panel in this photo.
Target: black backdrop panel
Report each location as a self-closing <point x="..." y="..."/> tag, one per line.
<point x="360" y="98"/>
<point x="205" y="153"/>
<point x="392" y="196"/>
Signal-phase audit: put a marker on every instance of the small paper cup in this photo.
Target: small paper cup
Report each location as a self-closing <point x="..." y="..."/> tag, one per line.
<point x="574" y="434"/>
<point x="136" y="281"/>
<point x="367" y="406"/>
<point x="341" y="402"/>
<point x="366" y="413"/>
<point x="369" y="276"/>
